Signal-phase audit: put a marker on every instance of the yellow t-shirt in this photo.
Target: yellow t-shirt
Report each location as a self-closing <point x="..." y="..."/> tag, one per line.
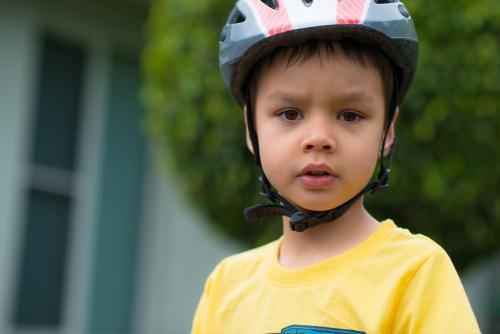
<point x="393" y="282"/>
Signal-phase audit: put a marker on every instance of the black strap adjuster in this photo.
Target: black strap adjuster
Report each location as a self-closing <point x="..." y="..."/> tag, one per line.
<point x="299" y="222"/>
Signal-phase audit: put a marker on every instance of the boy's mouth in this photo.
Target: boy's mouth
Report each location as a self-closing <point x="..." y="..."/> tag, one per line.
<point x="317" y="175"/>
<point x="321" y="169"/>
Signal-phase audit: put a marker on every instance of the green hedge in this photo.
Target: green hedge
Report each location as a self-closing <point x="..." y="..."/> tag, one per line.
<point x="445" y="180"/>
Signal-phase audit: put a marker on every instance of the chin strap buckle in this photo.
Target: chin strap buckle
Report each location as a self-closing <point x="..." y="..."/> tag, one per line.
<point x="299" y="222"/>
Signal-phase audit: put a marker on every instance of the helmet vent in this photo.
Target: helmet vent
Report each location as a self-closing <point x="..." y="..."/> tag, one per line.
<point x="386" y="1"/>
<point x="308" y="3"/>
<point x="223" y="35"/>
<point x="270" y="3"/>
<point x="236" y="17"/>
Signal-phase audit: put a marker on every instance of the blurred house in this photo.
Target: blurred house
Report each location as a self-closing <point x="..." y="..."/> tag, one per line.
<point x="93" y="237"/>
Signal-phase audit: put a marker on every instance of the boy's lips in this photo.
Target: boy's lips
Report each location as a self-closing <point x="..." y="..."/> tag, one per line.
<point x="317" y="175"/>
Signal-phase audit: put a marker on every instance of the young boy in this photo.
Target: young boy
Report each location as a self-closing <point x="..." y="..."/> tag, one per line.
<point x="320" y="82"/>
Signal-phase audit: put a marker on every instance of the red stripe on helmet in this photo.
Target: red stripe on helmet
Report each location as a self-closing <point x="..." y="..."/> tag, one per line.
<point x="350" y="11"/>
<point x="276" y="20"/>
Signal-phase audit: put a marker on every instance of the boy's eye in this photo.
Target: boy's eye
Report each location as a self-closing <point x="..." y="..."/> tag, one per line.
<point x="289" y="114"/>
<point x="349" y="116"/>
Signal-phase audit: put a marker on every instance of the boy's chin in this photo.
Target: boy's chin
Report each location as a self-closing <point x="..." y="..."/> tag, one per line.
<point x="315" y="203"/>
<point x="307" y="204"/>
<point x="318" y="208"/>
<point x="309" y="207"/>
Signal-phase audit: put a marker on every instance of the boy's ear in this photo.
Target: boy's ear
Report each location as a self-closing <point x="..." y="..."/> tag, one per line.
<point x="391" y="133"/>
<point x="247" y="133"/>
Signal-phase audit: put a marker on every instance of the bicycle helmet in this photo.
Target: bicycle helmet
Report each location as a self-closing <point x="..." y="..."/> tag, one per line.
<point x="255" y="28"/>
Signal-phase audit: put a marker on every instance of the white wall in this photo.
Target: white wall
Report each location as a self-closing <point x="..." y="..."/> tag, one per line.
<point x="17" y="56"/>
<point x="178" y="251"/>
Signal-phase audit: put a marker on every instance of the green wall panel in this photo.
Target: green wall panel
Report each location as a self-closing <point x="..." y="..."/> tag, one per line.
<point x="122" y="178"/>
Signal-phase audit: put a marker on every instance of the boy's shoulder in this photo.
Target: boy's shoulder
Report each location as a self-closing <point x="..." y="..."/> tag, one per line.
<point x="402" y="237"/>
<point x="247" y="262"/>
<point x="254" y="256"/>
<point x="404" y="246"/>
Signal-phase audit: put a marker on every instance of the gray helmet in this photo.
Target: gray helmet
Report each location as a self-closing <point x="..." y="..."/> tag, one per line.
<point x="256" y="27"/>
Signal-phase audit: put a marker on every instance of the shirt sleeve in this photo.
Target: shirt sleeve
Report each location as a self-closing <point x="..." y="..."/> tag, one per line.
<point x="201" y="315"/>
<point x="434" y="301"/>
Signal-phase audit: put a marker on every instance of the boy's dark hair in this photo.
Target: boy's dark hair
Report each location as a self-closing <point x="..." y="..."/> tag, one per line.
<point x="362" y="54"/>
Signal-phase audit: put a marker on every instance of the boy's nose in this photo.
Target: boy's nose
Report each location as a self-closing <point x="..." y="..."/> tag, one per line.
<point x="319" y="141"/>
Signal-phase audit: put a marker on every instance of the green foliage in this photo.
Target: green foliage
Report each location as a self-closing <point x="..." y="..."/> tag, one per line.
<point x="192" y="116"/>
<point x="445" y="176"/>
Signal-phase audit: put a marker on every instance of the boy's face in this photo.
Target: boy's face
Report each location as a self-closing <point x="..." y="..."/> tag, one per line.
<point x="320" y="126"/>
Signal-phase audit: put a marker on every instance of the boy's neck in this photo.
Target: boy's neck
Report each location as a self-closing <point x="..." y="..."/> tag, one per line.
<point x="301" y="249"/>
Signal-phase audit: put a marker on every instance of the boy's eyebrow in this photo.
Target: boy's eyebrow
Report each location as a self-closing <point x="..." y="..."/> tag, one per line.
<point x="286" y="95"/>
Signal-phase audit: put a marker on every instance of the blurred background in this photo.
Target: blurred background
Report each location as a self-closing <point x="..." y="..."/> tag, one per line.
<point x="124" y="173"/>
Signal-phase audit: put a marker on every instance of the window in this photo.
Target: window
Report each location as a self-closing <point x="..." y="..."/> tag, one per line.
<point x="47" y="222"/>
